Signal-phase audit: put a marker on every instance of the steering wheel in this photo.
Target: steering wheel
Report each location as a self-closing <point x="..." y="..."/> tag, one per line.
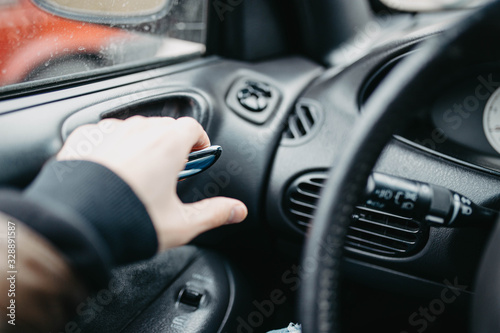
<point x="396" y="102"/>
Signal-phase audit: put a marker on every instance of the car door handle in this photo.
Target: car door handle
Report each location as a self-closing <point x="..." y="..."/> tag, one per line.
<point x="199" y="161"/>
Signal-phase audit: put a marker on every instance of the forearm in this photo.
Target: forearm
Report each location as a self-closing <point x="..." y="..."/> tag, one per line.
<point x="79" y="225"/>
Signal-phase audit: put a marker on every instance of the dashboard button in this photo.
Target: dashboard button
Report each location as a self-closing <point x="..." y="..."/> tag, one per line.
<point x="190" y="297"/>
<point x="255" y="96"/>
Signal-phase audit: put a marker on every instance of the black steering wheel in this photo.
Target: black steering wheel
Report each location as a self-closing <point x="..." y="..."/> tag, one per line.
<point x="396" y="102"/>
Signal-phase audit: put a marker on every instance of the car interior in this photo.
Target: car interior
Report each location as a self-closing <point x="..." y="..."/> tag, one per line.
<point x="363" y="136"/>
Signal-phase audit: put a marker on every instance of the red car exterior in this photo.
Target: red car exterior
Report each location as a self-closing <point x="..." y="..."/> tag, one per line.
<point x="31" y="38"/>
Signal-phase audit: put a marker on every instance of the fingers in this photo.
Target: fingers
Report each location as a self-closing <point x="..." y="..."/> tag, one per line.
<point x="148" y="153"/>
<point x="178" y="138"/>
<point x="214" y="212"/>
<point x="195" y="218"/>
<point x="191" y="133"/>
<point x="188" y="133"/>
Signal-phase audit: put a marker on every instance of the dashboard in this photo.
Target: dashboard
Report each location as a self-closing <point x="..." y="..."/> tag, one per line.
<point x="463" y="121"/>
<point x="283" y="125"/>
<point x="453" y="144"/>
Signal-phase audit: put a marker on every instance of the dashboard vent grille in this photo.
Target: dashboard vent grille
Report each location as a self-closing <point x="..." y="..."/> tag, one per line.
<point x="385" y="234"/>
<point x="302" y="122"/>
<point x="371" y="231"/>
<point x="303" y="198"/>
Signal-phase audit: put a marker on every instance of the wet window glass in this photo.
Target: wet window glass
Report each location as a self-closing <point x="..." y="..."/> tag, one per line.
<point x="39" y="42"/>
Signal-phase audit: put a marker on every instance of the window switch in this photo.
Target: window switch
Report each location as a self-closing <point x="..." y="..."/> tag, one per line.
<point x="190" y="297"/>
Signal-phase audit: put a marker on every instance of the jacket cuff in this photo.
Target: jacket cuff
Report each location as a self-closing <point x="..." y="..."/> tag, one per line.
<point x="102" y="200"/>
<point x="81" y="246"/>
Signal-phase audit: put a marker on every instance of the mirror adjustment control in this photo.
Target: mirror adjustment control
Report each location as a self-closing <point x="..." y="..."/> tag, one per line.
<point x="190" y="297"/>
<point x="254" y="98"/>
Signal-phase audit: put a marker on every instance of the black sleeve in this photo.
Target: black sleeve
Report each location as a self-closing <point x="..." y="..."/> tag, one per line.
<point x="89" y="213"/>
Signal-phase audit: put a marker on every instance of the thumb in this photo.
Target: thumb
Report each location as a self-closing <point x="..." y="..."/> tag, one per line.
<point x="214" y="212"/>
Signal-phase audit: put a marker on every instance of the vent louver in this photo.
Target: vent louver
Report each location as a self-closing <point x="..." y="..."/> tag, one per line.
<point x="370" y="231"/>
<point x="302" y="122"/>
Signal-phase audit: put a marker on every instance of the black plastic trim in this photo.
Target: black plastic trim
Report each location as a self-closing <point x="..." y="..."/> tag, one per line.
<point x="198" y="107"/>
<point x="447" y="157"/>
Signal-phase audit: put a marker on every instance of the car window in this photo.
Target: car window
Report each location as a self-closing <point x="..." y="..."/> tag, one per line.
<point x="36" y="45"/>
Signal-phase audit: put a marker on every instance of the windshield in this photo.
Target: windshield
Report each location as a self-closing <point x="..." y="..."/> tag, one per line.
<point x="36" y="45"/>
<point x="432" y="5"/>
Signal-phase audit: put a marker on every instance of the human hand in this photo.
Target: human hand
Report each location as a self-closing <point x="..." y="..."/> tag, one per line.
<point x="148" y="154"/>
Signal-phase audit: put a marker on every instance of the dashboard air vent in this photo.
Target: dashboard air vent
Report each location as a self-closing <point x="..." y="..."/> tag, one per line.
<point x="371" y="231"/>
<point x="302" y="196"/>
<point x="302" y="122"/>
<point x="385" y="234"/>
